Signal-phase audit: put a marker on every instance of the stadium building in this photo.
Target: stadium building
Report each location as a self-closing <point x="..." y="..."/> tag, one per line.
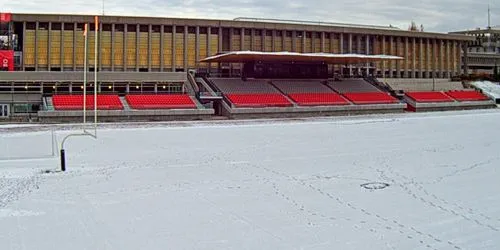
<point x="45" y="56"/>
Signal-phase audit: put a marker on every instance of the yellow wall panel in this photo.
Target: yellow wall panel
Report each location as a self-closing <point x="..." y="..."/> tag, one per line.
<point x="42" y="47"/>
<point x="191" y="50"/>
<point x="179" y="50"/>
<point x="268" y="43"/>
<point x="105" y="51"/>
<point x="68" y="48"/>
<point x="167" y="50"/>
<point x="118" y="43"/>
<point x="131" y="47"/>
<point x="203" y="48"/>
<point x="155" y="50"/>
<point x="55" y="48"/>
<point x="278" y="43"/>
<point x="143" y="49"/>
<point x="29" y="49"/>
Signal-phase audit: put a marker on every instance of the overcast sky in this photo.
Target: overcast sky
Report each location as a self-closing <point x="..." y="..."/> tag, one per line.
<point x="435" y="15"/>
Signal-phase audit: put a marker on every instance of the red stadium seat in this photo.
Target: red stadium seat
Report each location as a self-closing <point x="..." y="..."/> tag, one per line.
<point x="461" y="95"/>
<point x="258" y="100"/>
<point x="428" y="96"/>
<point x="160" y="101"/>
<point x="75" y="102"/>
<point x="370" y="98"/>
<point x="316" y="99"/>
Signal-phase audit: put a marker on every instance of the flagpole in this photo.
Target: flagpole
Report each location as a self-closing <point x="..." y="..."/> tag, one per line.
<point x="85" y="77"/>
<point x="95" y="74"/>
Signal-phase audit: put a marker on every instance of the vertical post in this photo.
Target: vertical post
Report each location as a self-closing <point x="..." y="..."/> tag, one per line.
<point x="24" y="46"/>
<point x="162" y="59"/>
<point x="63" y="160"/>
<point x="174" y="49"/>
<point x="85" y="75"/>
<point x="95" y="73"/>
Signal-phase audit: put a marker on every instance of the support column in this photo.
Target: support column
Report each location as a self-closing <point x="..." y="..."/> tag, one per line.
<point x="24" y="47"/>
<point x="197" y="47"/>
<point x="112" y="47"/>
<point x="322" y="42"/>
<point x="137" y="44"/>
<point x="358" y="41"/>
<point x="294" y="34"/>
<point x="49" y="47"/>
<point x="406" y="55"/>
<point x="436" y="58"/>
<point x="174" y="51"/>
<point x="162" y="47"/>
<point x="125" y="34"/>
<point x="428" y="56"/>
<point x="283" y="42"/>
<point x="350" y="51"/>
<point x="398" y="51"/>
<point x="332" y="41"/>
<point x="99" y="48"/>
<point x="448" y="59"/>
<point x="273" y="39"/>
<point x="185" y="49"/>
<point x="242" y="38"/>
<point x="150" y="31"/>
<point x="61" y="48"/>
<point x="231" y="34"/>
<point x="209" y="33"/>
<point x="304" y="41"/>
<point x="413" y="57"/>
<point x="391" y="67"/>
<point x="263" y="39"/>
<point x="383" y="53"/>
<point x="367" y="48"/>
<point x="74" y="46"/>
<point x="465" y="58"/>
<point x="220" y="49"/>
<point x="37" y="25"/>
<point x="252" y="40"/>
<point x="421" y="44"/>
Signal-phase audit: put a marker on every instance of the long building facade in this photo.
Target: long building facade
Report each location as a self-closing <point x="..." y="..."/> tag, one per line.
<point x="55" y="43"/>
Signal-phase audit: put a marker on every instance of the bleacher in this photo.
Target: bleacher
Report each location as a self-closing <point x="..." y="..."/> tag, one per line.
<point x="250" y="93"/>
<point x="75" y="102"/>
<point x="362" y="98"/>
<point x="428" y="96"/>
<point x="318" y="99"/>
<point x="421" y="85"/>
<point x="160" y="101"/>
<point x="301" y="86"/>
<point x="236" y="85"/>
<point x="354" y="85"/>
<point x="309" y="92"/>
<point x="461" y="95"/>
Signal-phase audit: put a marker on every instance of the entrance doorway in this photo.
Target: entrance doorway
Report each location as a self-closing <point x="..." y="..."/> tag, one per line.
<point x="4" y="110"/>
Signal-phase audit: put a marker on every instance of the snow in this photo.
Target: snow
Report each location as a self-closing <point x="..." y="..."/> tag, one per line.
<point x="489" y="88"/>
<point x="291" y="184"/>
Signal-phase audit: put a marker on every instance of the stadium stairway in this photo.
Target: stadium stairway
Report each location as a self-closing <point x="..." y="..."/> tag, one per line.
<point x="47" y="101"/>
<point x="284" y="94"/>
<point x="124" y="103"/>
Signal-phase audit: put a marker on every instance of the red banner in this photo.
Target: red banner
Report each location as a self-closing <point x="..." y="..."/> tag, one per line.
<point x="5" y="17"/>
<point x="7" y="60"/>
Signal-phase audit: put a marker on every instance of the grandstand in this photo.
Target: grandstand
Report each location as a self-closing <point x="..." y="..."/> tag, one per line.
<point x="165" y="68"/>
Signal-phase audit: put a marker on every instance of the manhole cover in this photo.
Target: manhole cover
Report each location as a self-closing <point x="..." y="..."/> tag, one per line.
<point x="375" y="185"/>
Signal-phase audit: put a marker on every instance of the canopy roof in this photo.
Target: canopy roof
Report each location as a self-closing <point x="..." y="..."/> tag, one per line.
<point x="248" y="56"/>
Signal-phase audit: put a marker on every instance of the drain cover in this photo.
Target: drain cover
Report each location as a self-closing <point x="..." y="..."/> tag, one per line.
<point x="375" y="185"/>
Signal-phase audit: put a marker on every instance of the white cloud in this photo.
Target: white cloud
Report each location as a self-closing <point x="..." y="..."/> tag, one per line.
<point x="435" y="15"/>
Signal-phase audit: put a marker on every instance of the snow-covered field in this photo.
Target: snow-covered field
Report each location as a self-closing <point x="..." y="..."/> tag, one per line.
<point x="295" y="184"/>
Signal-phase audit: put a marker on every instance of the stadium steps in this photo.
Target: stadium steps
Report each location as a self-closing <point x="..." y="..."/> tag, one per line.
<point x="330" y="87"/>
<point x="284" y="94"/>
<point x="49" y="106"/>
<point x="197" y="102"/>
<point x="124" y="103"/>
